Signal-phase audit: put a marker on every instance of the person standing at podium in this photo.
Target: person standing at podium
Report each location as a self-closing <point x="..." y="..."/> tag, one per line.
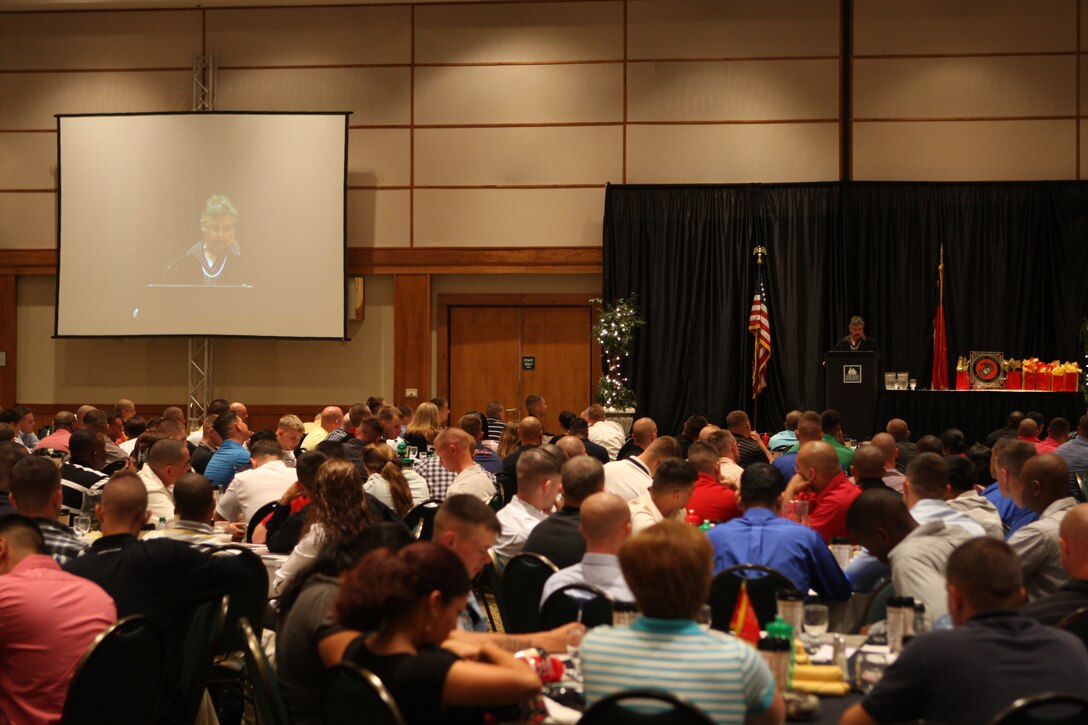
<point x="856" y="341"/>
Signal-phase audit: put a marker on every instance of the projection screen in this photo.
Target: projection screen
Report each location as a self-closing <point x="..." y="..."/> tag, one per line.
<point x="202" y="224"/>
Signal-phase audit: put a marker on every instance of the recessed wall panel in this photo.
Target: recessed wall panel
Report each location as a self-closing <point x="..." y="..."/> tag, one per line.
<point x="378" y="217"/>
<point x="28" y="221"/>
<point x="379" y="156"/>
<point x="28" y="160"/>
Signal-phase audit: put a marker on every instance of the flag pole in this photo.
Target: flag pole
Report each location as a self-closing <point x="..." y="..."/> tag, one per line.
<point x="758" y="253"/>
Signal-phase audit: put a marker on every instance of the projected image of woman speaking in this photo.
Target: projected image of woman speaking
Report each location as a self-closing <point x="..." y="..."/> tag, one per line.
<point x="216" y="260"/>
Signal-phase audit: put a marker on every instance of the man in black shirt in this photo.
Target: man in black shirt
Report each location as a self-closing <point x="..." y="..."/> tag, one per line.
<point x="579" y="428"/>
<point x="558" y="537"/>
<point x="751" y="446"/>
<point x="856" y="341"/>
<point x="531" y="435"/>
<point x="868" y="468"/>
<point x="643" y="433"/>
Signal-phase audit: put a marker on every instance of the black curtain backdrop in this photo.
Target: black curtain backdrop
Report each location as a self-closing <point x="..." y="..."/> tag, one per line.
<point x="1016" y="281"/>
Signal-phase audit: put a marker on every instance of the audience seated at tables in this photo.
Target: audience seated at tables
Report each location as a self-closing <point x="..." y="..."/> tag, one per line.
<point x="1075" y="455"/>
<point x="281" y="530"/>
<point x="1028" y="430"/>
<point x="917" y="553"/>
<point x="711" y="500"/>
<point x="265" y="481"/>
<point x="630" y="477"/>
<point x="539" y="478"/>
<point x="194" y="504"/>
<point x="831" y="425"/>
<point x="808" y="431"/>
<point x="98" y="421"/>
<point x="1073" y="594"/>
<point x="821" y="481"/>
<point x="231" y="457"/>
<point x="893" y="476"/>
<point x="1008" y="457"/>
<point x="397" y="488"/>
<point x="410" y="600"/>
<point x="36" y="493"/>
<point x="485" y="455"/>
<point x="674" y="482"/>
<point x="48" y="618"/>
<point x="454" y="449"/>
<point x="964" y="497"/>
<point x="643" y="433"/>
<point x="167" y="461"/>
<point x="348" y="426"/>
<point x="558" y="537"/>
<point x="308" y="637"/>
<point x="761" y="536"/>
<point x="10" y="454"/>
<point x="392" y="422"/>
<point x="1004" y="654"/>
<point x="668" y="568"/>
<point x="605" y="524"/>
<point x="1042" y="488"/>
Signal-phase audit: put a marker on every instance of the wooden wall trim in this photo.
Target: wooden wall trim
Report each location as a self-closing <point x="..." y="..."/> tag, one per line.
<point x="411" y="337"/>
<point x="9" y="333"/>
<point x="397" y="260"/>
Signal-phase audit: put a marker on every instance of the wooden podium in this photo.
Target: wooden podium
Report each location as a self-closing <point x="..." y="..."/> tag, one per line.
<point x="851" y="388"/>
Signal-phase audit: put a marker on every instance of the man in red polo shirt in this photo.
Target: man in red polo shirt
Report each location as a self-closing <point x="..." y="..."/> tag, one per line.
<point x="829" y="492"/>
<point x="711" y="499"/>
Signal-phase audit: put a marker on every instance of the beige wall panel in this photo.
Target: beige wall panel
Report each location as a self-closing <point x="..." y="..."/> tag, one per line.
<point x="376" y="96"/>
<point x="519" y="94"/>
<point x="956" y="87"/>
<point x="379" y="157"/>
<point x="28" y="160"/>
<point x="378" y="218"/>
<point x="28" y="221"/>
<point x="153" y="370"/>
<point x="549" y="155"/>
<point x="31" y="99"/>
<point x="964" y="26"/>
<point x="311" y="36"/>
<point x="733" y="153"/>
<point x="965" y="151"/>
<point x="100" y="40"/>
<point x="508" y="217"/>
<point x="519" y="32"/>
<point x="733" y="90"/>
<point x="732" y="28"/>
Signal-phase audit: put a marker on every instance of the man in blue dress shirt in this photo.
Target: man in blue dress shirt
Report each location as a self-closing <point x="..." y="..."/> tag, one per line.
<point x="232" y="456"/>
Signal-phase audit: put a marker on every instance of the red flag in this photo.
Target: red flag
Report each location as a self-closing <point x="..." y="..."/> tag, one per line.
<point x="940" y="338"/>
<point x="744" y="623"/>
<point x="759" y="324"/>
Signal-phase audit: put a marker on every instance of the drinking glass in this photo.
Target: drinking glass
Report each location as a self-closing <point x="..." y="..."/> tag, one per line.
<point x="869" y="669"/>
<point x="796" y="510"/>
<point x="83" y="525"/>
<point x="702" y="618"/>
<point x="816" y="619"/>
<point x="913" y="383"/>
<point x="574" y="650"/>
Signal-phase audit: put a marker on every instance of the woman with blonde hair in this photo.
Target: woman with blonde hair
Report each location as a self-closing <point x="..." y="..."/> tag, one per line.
<point x="424" y="426"/>
<point x="339" y="511"/>
<point x="398" y="489"/>
<point x="509" y="441"/>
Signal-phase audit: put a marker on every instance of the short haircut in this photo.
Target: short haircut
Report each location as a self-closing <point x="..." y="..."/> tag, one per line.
<point x="193" y="497"/>
<point x="10" y="454"/>
<point x="356" y="413"/>
<point x="291" y="422"/>
<point x="261" y="435"/>
<point x="1082" y="426"/>
<point x="22" y="410"/>
<point x="371" y="423"/>
<point x="875" y="508"/>
<point x="82" y="444"/>
<point x="225" y="424"/>
<point x="22" y="532"/>
<point x="603" y="515"/>
<point x="532" y="401"/>
<point x="830" y="420"/>
<point x="1012" y="454"/>
<point x="535" y="466"/>
<point x="868" y="462"/>
<point x="440" y="403"/>
<point x="673" y="474"/>
<point x="693" y="425"/>
<point x="166" y="452"/>
<point x="792" y="419"/>
<point x="1059" y="426"/>
<point x="218" y="406"/>
<point x="470" y="424"/>
<point x="134" y="426"/>
<point x="171" y="428"/>
<point x="405" y="411"/>
<point x="33" y="482"/>
<point x="465" y="511"/>
<point x="980" y="457"/>
<point x="96" y="419"/>
<point x="961" y="473"/>
<point x="493" y="409"/>
<point x="578" y="426"/>
<point x="987" y="573"/>
<point x="761" y="484"/>
<point x="930" y="444"/>
<point x="735" y="418"/>
<point x="703" y="456"/>
<point x="331" y="449"/>
<point x="7" y="432"/>
<point x="954" y="441"/>
<point x="565" y="417"/>
<point x="10" y="416"/>
<point x="388" y="413"/>
<point x="307" y="465"/>
<point x="125" y="497"/>
<point x="665" y="447"/>
<point x="928" y="475"/>
<point x="374" y="402"/>
<point x="855" y="320"/>
<point x="582" y="476"/>
<point x="266" y="449"/>
<point x="668" y="568"/>
<point x="596" y="412"/>
<point x="723" y="441"/>
<point x="809" y="430"/>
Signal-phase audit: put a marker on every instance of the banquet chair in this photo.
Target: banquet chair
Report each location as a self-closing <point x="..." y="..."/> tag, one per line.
<point x="353" y="694"/>
<point x="1050" y="708"/>
<point x="725" y="589"/>
<point x="228" y="665"/>
<point x="267" y="696"/>
<point x="205" y="627"/>
<point x="668" y="709"/>
<point x="119" y="677"/>
<point x="420" y="519"/>
<point x="490" y="582"/>
<point x="577" y="602"/>
<point x="258" y="516"/>
<point x="1076" y="623"/>
<point x="522" y="584"/>
<point x="876" y="608"/>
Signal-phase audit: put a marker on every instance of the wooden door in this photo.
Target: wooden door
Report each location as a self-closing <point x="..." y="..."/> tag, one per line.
<point x="558" y="340"/>
<point x="484" y="357"/>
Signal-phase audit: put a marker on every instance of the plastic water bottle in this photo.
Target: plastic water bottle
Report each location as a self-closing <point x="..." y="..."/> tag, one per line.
<point x="162" y="523"/>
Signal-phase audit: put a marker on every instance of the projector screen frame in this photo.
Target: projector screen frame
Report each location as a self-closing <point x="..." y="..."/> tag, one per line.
<point x="344" y="229"/>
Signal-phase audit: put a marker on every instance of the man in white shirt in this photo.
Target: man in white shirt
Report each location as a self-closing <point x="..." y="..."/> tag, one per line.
<point x="630" y="477"/>
<point x="1043" y="488"/>
<point x="539" y="478"/>
<point x="674" y="482"/>
<point x="390" y="419"/>
<point x="289" y="431"/>
<point x="167" y="461"/>
<point x="194" y="502"/>
<point x="728" y="455"/>
<point x="604" y="432"/>
<point x="606" y="524"/>
<point x="251" y="489"/>
<point x="454" y="448"/>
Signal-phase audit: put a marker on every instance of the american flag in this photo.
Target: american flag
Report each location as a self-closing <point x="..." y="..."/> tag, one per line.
<point x="759" y="324"/>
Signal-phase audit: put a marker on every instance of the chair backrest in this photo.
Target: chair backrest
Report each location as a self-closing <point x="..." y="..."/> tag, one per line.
<point x="654" y="707"/>
<point x="420" y="520"/>
<point x="1082" y="487"/>
<point x="258" y="516"/>
<point x="763" y="582"/>
<point x="495" y="503"/>
<point x="1076" y="623"/>
<point x="1048" y="708"/>
<point x="267" y="696"/>
<point x="492" y="575"/>
<point x="204" y="630"/>
<point x="354" y="694"/>
<point x="119" y="677"/>
<point x="249" y="603"/>
<point x="522" y="584"/>
<point x="876" y="608"/>
<point x="564" y="604"/>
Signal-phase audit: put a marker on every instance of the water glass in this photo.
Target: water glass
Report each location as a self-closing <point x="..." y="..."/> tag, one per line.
<point x="796" y="510"/>
<point x="816" y="619"/>
<point x="574" y="650"/>
<point x="869" y="669"/>
<point x="913" y="383"/>
<point x="83" y="524"/>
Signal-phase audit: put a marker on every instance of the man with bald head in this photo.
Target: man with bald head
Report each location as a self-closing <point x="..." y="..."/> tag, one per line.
<point x="572" y="446"/>
<point x="530" y="435"/>
<point x="1073" y="594"/>
<point x="63" y="424"/>
<point x="539" y="479"/>
<point x="167" y="461"/>
<point x="1028" y="430"/>
<point x="643" y="433"/>
<point x="893" y="476"/>
<point x="630" y="478"/>
<point x="1042" y="487"/>
<point x="455" y="448"/>
<point x="557" y="537"/>
<point x="125" y="408"/>
<point x="808" y="431"/>
<point x="868" y="468"/>
<point x="829" y="492"/>
<point x="605" y="524"/>
<point x="239" y="409"/>
<point x="786" y="439"/>
<point x="331" y="419"/>
<point x="81" y="411"/>
<point x="900" y="433"/>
